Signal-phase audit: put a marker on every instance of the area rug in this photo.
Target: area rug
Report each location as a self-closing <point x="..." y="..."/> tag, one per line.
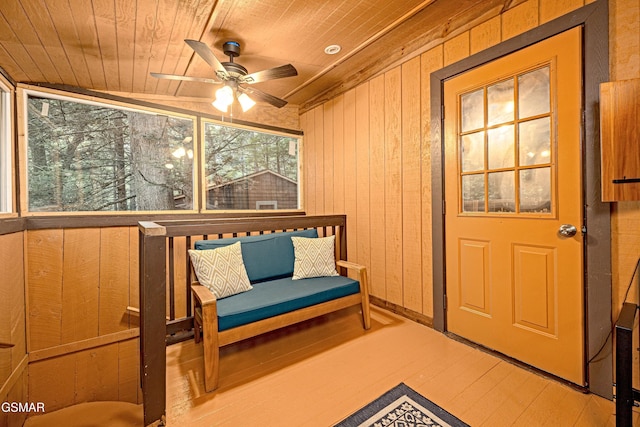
<point x="401" y="407"/>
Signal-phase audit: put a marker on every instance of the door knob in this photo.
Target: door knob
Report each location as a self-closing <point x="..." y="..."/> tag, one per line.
<point x="567" y="230"/>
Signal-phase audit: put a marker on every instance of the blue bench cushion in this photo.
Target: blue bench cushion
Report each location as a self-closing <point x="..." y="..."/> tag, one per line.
<point x="266" y="256"/>
<point x="268" y="299"/>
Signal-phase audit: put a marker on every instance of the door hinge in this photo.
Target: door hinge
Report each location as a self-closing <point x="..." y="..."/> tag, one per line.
<point x="584" y="229"/>
<point x="445" y="301"/>
<point x="444" y="207"/>
<point x="442" y="112"/>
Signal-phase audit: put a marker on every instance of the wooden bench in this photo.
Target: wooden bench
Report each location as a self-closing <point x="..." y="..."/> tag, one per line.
<point x="275" y="301"/>
<point x="165" y="293"/>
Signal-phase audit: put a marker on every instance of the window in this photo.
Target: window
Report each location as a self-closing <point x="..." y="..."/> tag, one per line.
<point x="6" y="150"/>
<point x="505" y="146"/>
<point x="249" y="170"/>
<point x="88" y="156"/>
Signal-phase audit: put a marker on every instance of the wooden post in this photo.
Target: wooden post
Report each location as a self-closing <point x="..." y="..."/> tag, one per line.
<point x="153" y="361"/>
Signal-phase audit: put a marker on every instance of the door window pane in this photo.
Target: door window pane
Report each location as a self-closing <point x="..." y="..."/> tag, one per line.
<point x="502" y="196"/>
<point x="506" y="161"/>
<point x="501" y="146"/>
<point x="472" y="110"/>
<point x="534" y="93"/>
<point x="535" y="190"/>
<point x="472" y="152"/>
<point x="535" y="142"/>
<point x="500" y="103"/>
<point x="473" y="193"/>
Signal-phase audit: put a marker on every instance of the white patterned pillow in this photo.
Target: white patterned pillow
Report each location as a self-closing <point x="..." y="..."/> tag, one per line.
<point x="221" y="270"/>
<point x="314" y="257"/>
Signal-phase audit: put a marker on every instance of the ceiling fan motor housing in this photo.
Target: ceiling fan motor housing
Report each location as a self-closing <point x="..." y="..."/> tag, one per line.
<point x="231" y="49"/>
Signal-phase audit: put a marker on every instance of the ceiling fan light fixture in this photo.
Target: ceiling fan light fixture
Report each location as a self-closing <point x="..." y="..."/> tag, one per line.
<point x="245" y="102"/>
<point x="225" y="95"/>
<point x="220" y="105"/>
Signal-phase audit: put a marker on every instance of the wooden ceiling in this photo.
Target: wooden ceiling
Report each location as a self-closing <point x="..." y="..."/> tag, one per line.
<point x="112" y="45"/>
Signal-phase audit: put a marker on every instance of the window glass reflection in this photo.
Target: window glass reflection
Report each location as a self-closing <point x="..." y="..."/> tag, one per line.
<point x="502" y="195"/>
<point x="535" y="190"/>
<point x="500" y="103"/>
<point x="472" y="151"/>
<point x="534" y="93"/>
<point x="472" y="110"/>
<point x="501" y="145"/>
<point x="473" y="193"/>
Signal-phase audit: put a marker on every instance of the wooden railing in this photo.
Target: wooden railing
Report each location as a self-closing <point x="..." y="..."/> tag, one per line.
<point x="159" y="323"/>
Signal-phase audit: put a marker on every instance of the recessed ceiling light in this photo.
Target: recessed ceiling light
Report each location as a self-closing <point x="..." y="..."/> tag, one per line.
<point x="332" y="49"/>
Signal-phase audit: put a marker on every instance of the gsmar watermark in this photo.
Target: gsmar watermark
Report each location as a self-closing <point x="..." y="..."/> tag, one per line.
<point x="22" y="407"/>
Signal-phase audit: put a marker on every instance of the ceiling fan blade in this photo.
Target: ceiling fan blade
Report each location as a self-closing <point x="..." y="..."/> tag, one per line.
<point x="185" y="78"/>
<point x="270" y="74"/>
<point x="205" y="53"/>
<point x="259" y="95"/>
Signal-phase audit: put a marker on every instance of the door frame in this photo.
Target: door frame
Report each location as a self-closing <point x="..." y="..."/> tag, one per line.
<point x="594" y="19"/>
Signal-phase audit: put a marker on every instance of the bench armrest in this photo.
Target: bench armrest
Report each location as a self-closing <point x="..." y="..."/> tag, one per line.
<point x="361" y="272"/>
<point x="202" y="294"/>
<point x="350" y="265"/>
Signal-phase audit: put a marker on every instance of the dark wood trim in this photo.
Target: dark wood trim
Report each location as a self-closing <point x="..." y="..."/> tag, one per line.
<point x="146" y="104"/>
<point x="250" y="224"/>
<point x="437" y="202"/>
<point x="597" y="259"/>
<point x="153" y="332"/>
<point x="8" y="77"/>
<point x="11" y="225"/>
<point x="123" y="220"/>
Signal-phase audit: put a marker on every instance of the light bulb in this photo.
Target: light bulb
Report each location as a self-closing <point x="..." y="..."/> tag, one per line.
<point x="245" y="102"/>
<point x="220" y="105"/>
<point x="225" y="95"/>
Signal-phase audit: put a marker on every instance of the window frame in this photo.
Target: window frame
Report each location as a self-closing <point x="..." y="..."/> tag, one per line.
<point x="22" y="95"/>
<point x="231" y="212"/>
<point x="8" y="191"/>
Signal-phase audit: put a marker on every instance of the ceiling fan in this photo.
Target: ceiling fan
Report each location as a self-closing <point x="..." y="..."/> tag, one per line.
<point x="234" y="77"/>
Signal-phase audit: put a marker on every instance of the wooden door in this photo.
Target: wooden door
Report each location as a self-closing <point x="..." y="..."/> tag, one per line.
<point x="513" y="194"/>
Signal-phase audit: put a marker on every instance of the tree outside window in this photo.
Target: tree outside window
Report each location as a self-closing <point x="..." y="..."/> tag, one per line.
<point x="89" y="157"/>
<point x="245" y="169"/>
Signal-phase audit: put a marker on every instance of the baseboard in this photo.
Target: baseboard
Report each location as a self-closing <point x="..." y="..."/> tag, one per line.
<point x="402" y="311"/>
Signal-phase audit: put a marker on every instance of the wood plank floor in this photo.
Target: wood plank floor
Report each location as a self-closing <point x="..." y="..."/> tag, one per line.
<point x="318" y="372"/>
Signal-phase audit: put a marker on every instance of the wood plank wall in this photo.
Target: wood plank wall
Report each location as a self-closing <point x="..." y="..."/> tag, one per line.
<point x="624" y="63"/>
<point x="366" y="153"/>
<point x="81" y="339"/>
<point x="13" y="366"/>
<point x="384" y="185"/>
